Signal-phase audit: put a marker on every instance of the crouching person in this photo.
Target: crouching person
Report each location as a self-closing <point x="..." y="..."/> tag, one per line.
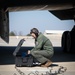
<point x="43" y="49"/>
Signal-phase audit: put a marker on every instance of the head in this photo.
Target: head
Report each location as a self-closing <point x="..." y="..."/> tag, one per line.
<point x="34" y="32"/>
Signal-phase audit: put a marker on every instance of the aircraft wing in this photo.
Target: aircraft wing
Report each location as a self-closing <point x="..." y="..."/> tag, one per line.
<point x="67" y="14"/>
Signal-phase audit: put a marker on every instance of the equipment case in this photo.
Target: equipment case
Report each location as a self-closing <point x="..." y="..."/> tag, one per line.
<point x="23" y="59"/>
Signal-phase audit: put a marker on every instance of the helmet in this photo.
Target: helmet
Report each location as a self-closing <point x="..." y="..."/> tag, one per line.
<point x="35" y="31"/>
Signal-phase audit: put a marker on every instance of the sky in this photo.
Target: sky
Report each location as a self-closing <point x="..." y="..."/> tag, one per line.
<point x="21" y="22"/>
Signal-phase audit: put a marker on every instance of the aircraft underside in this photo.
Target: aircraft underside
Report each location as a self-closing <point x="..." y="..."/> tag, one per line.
<point x="63" y="9"/>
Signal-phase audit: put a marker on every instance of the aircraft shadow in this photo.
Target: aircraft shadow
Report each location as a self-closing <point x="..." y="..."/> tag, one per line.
<point x="6" y="55"/>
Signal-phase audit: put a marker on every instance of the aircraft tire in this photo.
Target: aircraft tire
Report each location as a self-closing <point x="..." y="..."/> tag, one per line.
<point x="64" y="41"/>
<point x="70" y="42"/>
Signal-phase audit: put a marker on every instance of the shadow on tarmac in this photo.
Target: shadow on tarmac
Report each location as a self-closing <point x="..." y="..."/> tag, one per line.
<point x="6" y="55"/>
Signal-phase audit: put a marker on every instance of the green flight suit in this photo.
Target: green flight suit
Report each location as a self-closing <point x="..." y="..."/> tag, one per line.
<point x="43" y="49"/>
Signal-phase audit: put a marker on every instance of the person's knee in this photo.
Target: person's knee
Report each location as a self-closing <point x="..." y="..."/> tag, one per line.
<point x="34" y="53"/>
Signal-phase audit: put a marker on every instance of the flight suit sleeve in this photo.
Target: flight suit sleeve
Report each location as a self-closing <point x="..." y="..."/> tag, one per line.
<point x="38" y="45"/>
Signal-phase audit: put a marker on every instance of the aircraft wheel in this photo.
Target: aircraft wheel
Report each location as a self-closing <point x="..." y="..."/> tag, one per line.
<point x="69" y="40"/>
<point x="64" y="41"/>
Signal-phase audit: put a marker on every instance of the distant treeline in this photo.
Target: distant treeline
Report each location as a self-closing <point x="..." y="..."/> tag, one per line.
<point x="13" y="33"/>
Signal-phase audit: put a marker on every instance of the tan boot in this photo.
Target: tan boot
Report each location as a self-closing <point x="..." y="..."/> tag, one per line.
<point x="47" y="64"/>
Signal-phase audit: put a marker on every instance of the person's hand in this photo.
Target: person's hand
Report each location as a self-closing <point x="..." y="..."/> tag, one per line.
<point x="28" y="51"/>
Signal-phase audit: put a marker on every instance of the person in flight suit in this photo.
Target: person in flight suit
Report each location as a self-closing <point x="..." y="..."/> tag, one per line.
<point x="43" y="49"/>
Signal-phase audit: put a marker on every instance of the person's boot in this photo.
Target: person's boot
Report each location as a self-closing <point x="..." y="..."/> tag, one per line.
<point x="47" y="64"/>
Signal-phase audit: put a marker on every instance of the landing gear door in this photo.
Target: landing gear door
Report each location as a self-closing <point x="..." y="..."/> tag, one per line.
<point x="4" y="25"/>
